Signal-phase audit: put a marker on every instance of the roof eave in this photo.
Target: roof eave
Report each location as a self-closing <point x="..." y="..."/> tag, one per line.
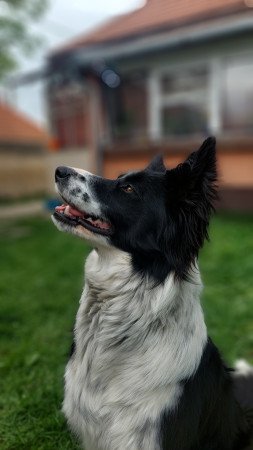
<point x="144" y="44"/>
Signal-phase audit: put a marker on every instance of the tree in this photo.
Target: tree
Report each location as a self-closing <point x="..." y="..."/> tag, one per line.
<point x="16" y="36"/>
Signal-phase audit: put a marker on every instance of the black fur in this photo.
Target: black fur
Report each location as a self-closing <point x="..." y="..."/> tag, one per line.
<point x="192" y="192"/>
<point x="243" y="388"/>
<point x="207" y="416"/>
<point x="163" y="221"/>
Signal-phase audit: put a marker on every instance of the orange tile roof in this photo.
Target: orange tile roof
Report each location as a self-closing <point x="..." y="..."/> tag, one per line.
<point x="153" y="15"/>
<point x="16" y="128"/>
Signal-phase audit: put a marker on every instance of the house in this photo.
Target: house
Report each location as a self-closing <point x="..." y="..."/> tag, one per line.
<point x="17" y="130"/>
<point x="160" y="79"/>
<point x="22" y="146"/>
<point x="29" y="156"/>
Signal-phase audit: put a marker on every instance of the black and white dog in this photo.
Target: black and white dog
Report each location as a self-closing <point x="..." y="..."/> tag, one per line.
<point x="143" y="374"/>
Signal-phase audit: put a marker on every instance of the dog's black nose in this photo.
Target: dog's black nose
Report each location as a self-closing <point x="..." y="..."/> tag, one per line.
<point x="62" y="172"/>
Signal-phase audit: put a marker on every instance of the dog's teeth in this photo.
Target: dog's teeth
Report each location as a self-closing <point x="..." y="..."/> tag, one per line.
<point x="60" y="208"/>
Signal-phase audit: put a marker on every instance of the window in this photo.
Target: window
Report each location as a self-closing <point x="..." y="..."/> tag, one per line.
<point x="237" y="106"/>
<point x="182" y="119"/>
<point x="215" y="98"/>
<point x="182" y="102"/>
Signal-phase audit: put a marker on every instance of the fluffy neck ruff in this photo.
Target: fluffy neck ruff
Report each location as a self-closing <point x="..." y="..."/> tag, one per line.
<point x="137" y="316"/>
<point x="135" y="344"/>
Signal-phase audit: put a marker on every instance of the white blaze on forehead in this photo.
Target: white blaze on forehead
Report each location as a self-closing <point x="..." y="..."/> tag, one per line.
<point x="83" y="172"/>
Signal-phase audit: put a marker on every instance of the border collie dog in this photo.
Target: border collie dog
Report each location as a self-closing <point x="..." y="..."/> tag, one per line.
<point x="143" y="374"/>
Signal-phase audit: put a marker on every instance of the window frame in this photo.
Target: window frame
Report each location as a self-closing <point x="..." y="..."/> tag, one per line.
<point x="157" y="100"/>
<point x="235" y="60"/>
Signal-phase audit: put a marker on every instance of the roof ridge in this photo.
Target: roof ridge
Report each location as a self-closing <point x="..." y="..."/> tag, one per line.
<point x="152" y="15"/>
<point x="99" y="27"/>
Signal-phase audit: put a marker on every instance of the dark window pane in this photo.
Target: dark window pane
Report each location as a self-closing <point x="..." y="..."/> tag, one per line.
<point x="183" y="119"/>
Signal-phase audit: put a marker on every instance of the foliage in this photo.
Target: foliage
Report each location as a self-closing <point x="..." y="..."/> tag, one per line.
<point x="40" y="286"/>
<point x="16" y="16"/>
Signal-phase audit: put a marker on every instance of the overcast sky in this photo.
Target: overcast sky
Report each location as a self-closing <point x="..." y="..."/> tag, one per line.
<point x="64" y="20"/>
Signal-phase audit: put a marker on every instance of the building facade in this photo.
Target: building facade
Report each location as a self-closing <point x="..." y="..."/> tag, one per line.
<point x="161" y="79"/>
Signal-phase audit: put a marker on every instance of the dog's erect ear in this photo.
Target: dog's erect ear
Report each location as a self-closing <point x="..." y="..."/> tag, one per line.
<point x="157" y="164"/>
<point x="196" y="175"/>
<point x="203" y="162"/>
<point x="191" y="193"/>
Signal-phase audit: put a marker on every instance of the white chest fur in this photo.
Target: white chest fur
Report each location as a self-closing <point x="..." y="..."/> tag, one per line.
<point x="134" y="344"/>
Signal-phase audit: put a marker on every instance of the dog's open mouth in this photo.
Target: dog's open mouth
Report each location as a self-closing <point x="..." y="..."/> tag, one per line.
<point x="71" y="216"/>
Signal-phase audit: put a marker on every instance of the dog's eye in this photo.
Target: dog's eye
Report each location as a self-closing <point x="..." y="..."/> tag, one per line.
<point x="127" y="188"/>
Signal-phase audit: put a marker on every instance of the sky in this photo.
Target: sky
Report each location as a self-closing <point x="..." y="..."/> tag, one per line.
<point x="63" y="20"/>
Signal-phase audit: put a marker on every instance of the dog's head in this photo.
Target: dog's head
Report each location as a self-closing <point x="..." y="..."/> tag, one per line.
<point x="160" y="216"/>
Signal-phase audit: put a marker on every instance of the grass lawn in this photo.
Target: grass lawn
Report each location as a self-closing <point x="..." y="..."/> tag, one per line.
<point x="40" y="286"/>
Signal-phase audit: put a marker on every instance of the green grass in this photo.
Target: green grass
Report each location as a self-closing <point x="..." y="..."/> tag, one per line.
<point x="227" y="270"/>
<point x="40" y="286"/>
<point x="5" y="201"/>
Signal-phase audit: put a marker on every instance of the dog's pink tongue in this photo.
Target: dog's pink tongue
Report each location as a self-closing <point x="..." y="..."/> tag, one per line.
<point x="75" y="212"/>
<point x="67" y="209"/>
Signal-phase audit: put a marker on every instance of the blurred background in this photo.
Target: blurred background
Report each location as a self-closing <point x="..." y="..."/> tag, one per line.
<point x="105" y="86"/>
<point x="157" y="78"/>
